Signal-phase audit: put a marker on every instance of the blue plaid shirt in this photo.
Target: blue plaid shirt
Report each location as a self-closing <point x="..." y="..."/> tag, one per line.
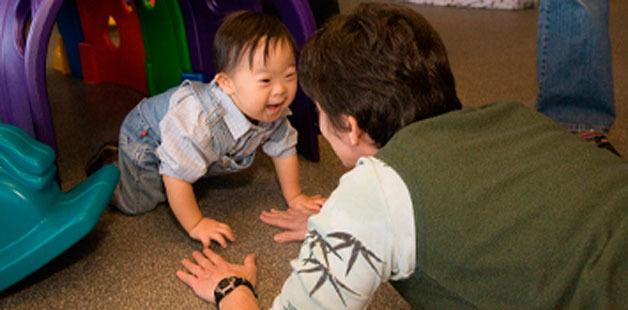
<point x="203" y="133"/>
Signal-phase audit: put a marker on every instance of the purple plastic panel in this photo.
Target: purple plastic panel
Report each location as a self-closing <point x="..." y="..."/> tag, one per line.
<point x="298" y="17"/>
<point x="14" y="108"/>
<point x="24" y="99"/>
<point x="202" y="19"/>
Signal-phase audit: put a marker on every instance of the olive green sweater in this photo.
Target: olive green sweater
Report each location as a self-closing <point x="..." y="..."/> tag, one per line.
<point x="511" y="211"/>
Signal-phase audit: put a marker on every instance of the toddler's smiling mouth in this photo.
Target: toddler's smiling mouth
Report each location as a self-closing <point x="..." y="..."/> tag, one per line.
<point x="274" y="107"/>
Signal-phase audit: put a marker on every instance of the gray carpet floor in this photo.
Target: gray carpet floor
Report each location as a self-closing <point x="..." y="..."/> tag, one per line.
<point x="129" y="262"/>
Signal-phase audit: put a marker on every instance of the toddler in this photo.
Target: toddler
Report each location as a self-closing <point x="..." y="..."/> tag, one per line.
<point x="169" y="141"/>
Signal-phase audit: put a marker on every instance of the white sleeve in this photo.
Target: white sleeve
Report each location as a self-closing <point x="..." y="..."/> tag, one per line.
<point x="363" y="236"/>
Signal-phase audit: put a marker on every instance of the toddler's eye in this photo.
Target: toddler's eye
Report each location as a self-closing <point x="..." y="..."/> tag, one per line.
<point x="264" y="81"/>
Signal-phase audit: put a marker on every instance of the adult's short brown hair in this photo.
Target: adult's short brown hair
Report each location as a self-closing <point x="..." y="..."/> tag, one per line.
<point x="382" y="64"/>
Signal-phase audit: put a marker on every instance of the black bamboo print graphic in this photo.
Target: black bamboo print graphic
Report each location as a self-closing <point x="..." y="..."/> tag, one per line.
<point x="326" y="276"/>
<point x="317" y="239"/>
<point x="358" y="248"/>
<point x="346" y="241"/>
<point x="289" y="307"/>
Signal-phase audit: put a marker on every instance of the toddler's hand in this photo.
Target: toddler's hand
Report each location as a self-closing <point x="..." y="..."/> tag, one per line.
<point x="305" y="202"/>
<point x="207" y="230"/>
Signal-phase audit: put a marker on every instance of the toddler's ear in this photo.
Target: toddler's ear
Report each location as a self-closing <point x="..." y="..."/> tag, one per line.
<point x="225" y="83"/>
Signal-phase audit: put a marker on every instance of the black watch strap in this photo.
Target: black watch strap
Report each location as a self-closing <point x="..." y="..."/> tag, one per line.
<point x="227" y="285"/>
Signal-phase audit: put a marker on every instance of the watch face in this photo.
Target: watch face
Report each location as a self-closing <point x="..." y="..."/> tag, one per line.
<point x="224" y="283"/>
<point x="228" y="284"/>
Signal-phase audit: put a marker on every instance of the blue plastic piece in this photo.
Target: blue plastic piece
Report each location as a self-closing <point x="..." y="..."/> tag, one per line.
<point x="69" y="25"/>
<point x="194" y="76"/>
<point x="37" y="220"/>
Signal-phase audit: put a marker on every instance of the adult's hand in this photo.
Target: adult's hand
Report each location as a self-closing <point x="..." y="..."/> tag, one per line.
<point x="292" y="221"/>
<point x="209" y="268"/>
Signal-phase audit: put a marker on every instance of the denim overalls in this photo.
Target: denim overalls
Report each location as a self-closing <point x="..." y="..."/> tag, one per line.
<point x="141" y="186"/>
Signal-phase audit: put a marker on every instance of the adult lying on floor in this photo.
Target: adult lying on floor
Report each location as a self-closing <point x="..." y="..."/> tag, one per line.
<point x="490" y="207"/>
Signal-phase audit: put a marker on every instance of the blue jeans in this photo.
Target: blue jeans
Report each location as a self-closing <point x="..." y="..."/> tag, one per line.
<point x="141" y="187"/>
<point x="574" y="64"/>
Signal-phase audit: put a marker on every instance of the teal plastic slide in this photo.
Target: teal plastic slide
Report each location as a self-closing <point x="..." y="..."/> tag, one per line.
<point x="37" y="220"/>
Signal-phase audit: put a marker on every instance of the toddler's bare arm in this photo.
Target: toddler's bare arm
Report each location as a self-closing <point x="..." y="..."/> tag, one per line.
<point x="185" y="208"/>
<point x="287" y="169"/>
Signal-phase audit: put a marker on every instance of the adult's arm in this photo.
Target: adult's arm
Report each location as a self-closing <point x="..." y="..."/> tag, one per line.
<point x="363" y="236"/>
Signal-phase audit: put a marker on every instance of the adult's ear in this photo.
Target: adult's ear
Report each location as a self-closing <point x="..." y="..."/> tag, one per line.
<point x="225" y="83"/>
<point x="355" y="132"/>
<point x="358" y="137"/>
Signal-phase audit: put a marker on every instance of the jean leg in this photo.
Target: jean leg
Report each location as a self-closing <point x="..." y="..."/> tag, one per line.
<point x="141" y="187"/>
<point x="574" y="70"/>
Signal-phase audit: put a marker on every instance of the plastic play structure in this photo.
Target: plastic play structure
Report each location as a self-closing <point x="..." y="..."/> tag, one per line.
<point x="101" y="60"/>
<point x="37" y="220"/>
<point x="160" y="43"/>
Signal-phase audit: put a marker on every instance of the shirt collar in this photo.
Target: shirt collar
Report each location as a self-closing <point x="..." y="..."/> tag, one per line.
<point x="234" y="118"/>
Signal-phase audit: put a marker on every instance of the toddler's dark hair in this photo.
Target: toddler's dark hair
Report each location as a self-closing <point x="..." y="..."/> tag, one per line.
<point x="382" y="64"/>
<point x="241" y="32"/>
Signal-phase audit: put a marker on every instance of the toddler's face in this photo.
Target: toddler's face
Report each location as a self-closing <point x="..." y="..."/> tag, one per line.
<point x="264" y="91"/>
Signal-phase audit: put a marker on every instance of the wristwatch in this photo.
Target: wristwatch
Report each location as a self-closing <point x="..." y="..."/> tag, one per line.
<point x="227" y="285"/>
